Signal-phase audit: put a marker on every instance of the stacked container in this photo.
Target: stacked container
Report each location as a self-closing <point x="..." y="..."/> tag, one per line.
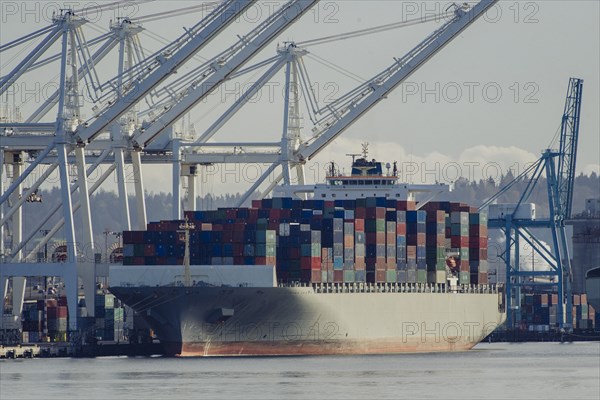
<point x="539" y="313"/>
<point x="436" y="246"/>
<point x="478" y="247"/>
<point x="109" y="318"/>
<point x="459" y="239"/>
<point x="33" y="320"/>
<point x="342" y="241"/>
<point x="57" y="317"/>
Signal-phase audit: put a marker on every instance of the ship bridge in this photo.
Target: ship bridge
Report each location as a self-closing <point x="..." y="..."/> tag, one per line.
<point x="366" y="180"/>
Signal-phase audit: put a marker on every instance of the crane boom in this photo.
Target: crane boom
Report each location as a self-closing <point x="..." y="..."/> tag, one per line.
<point x="20" y="69"/>
<point x="568" y="147"/>
<point x="250" y="46"/>
<point x="51" y="101"/>
<point x="216" y="21"/>
<point x="388" y="80"/>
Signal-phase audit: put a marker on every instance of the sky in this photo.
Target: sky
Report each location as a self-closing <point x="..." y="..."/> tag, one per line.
<point x="488" y="103"/>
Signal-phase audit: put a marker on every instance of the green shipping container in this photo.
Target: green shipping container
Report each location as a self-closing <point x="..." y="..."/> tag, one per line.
<point x="391" y="276"/>
<point x="349" y="276"/>
<point x="464" y="278"/>
<point x="421" y="276"/>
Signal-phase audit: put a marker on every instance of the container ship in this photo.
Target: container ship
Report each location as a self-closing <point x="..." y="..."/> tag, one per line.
<point x="360" y="264"/>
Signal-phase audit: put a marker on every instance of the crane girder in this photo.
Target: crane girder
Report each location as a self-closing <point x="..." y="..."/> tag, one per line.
<point x="217" y="21"/>
<point x="386" y="82"/>
<point x="568" y="147"/>
<point x="284" y="17"/>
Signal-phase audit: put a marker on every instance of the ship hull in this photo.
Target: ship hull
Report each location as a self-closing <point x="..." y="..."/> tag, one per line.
<point x="243" y="321"/>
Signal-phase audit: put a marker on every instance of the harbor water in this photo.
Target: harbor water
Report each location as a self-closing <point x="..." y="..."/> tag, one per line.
<point x="493" y="371"/>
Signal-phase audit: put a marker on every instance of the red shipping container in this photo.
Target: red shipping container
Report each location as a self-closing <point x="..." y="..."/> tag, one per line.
<point x="371" y="237"/>
<point x="459" y="241"/>
<point x="438" y="216"/>
<point x="285" y="213"/>
<point x="307" y="262"/>
<point x="483" y="278"/>
<point x="315" y="263"/>
<point x="338" y="276"/>
<point x="149" y="250"/>
<point x="260" y="260"/>
<point x="275" y="213"/>
<point x="217" y="227"/>
<point x="483" y="254"/>
<point x="380" y="276"/>
<point x="57" y="312"/>
<point x="360" y="213"/>
<point x="464" y="266"/>
<point x="231" y="213"/>
<point x="391" y="239"/>
<point x="403" y="205"/>
<point x="227" y="236"/>
<point x="359" y="225"/>
<point x="238" y="250"/>
<point x="62" y="301"/>
<point x="401" y="229"/>
<point x="315" y="276"/>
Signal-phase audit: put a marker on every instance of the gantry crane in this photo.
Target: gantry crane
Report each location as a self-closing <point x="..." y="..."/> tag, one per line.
<point x="144" y="79"/>
<point x="559" y="168"/>
<point x="64" y="141"/>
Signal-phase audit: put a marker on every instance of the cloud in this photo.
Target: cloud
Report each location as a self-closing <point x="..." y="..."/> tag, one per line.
<point x="473" y="163"/>
<point x="590" y="168"/>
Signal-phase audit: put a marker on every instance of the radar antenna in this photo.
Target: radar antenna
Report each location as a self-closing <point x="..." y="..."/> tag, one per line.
<point x="365" y="149"/>
<point x="353" y="157"/>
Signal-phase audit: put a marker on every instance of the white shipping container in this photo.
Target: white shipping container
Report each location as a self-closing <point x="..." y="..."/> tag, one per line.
<point x="525" y="211"/>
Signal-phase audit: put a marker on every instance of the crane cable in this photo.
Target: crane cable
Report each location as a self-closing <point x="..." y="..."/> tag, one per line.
<point x="26" y="38"/>
<point x="172" y="13"/>
<point x="112" y="6"/>
<point x="373" y="30"/>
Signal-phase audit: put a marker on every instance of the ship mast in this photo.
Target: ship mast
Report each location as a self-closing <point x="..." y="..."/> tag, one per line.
<point x="186" y="227"/>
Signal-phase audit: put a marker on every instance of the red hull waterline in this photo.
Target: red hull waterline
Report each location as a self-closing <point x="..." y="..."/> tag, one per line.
<point x="301" y="348"/>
